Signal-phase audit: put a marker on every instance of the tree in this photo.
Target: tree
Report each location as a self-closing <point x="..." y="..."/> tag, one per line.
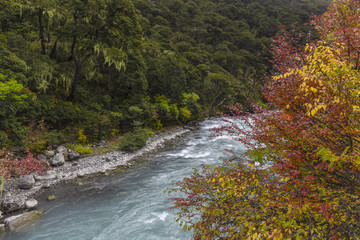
<point x="300" y="179"/>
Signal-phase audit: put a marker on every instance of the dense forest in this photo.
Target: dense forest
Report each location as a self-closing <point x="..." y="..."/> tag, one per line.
<point x="85" y="70"/>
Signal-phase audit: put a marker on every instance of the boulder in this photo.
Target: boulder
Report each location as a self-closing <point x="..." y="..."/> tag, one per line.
<point x="57" y="160"/>
<point x="48" y="176"/>
<point x="27" y="182"/>
<point x="49" y="154"/>
<point x="22" y="222"/>
<point x="31" y="204"/>
<point x="2" y="228"/>
<point x="62" y="149"/>
<point x="12" y="204"/>
<point x="73" y="156"/>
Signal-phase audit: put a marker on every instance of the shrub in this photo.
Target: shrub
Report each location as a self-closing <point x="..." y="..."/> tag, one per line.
<point x="13" y="166"/>
<point x="135" y="139"/>
<point x="81" y="149"/>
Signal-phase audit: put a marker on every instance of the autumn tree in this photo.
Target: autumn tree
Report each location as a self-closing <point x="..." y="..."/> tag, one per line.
<point x="300" y="177"/>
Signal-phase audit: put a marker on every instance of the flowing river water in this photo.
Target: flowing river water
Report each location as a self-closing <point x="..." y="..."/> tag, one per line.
<point x="132" y="204"/>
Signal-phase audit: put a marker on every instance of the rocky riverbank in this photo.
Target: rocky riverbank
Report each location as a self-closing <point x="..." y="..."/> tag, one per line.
<point x="18" y="201"/>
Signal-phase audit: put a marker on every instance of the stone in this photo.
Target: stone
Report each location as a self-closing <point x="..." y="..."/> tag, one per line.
<point x="49" y="154"/>
<point x="57" y="160"/>
<point x="46" y="184"/>
<point x="9" y="205"/>
<point x="101" y="143"/>
<point x="27" y="182"/>
<point x="22" y="222"/>
<point x="2" y="228"/>
<point x="73" y="156"/>
<point x="31" y="204"/>
<point x="81" y="174"/>
<point x="62" y="149"/>
<point x="51" y="197"/>
<point x="50" y="174"/>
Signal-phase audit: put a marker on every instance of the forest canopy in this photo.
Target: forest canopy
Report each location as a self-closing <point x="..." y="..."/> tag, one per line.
<point x="94" y="67"/>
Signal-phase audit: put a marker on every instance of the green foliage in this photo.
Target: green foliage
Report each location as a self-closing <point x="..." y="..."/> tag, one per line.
<point x="185" y="114"/>
<point x="190" y="101"/>
<point x="80" y="148"/>
<point x="12" y="103"/>
<point x="135" y="139"/>
<point x="102" y="64"/>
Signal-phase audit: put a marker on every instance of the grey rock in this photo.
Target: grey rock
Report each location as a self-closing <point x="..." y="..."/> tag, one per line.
<point x="73" y="156"/>
<point x="49" y="175"/>
<point x="101" y="143"/>
<point x="22" y="222"/>
<point x="37" y="184"/>
<point x="2" y="228"/>
<point x="62" y="149"/>
<point x="31" y="204"/>
<point x="81" y="174"/>
<point x="107" y="159"/>
<point x="27" y="182"/>
<point x="9" y="205"/>
<point x="46" y="184"/>
<point x="49" y="154"/>
<point x="58" y="160"/>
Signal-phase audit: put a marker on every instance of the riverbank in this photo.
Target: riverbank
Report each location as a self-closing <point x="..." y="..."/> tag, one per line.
<point x="16" y="200"/>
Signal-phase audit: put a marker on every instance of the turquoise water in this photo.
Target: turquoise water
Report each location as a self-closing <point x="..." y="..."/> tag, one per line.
<point x="129" y="205"/>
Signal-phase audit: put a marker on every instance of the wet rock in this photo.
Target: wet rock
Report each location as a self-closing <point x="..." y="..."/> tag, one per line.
<point x="51" y="197"/>
<point x="2" y="228"/>
<point x="9" y="205"/>
<point x="49" y="154"/>
<point x="27" y="182"/>
<point x="73" y="156"/>
<point x="20" y="223"/>
<point x="31" y="204"/>
<point x="107" y="159"/>
<point x="58" y="160"/>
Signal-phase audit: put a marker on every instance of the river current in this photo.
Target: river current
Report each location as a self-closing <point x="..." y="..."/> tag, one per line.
<point x="132" y="204"/>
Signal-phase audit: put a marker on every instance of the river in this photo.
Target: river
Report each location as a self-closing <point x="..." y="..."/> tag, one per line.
<point x="132" y="204"/>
